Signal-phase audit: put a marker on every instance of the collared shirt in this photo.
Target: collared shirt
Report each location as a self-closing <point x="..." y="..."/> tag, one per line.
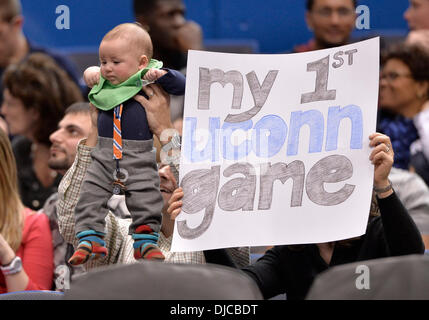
<point x="118" y="242"/>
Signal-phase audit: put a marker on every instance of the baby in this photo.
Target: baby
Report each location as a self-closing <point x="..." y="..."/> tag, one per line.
<point x="124" y="160"/>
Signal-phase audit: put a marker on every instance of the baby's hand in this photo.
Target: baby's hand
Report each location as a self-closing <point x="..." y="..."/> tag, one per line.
<point x="154" y="74"/>
<point x="91" y="76"/>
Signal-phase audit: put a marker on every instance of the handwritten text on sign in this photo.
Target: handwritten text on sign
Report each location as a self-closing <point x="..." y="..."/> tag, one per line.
<point x="275" y="147"/>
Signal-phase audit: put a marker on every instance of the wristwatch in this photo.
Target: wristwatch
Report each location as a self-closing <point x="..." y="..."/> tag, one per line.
<point x="13" y="267"/>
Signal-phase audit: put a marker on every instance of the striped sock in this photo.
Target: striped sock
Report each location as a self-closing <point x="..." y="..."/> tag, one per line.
<point x="145" y="244"/>
<point x="91" y="246"/>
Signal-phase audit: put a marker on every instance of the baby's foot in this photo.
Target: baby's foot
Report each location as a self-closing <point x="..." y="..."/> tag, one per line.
<point x="145" y="244"/>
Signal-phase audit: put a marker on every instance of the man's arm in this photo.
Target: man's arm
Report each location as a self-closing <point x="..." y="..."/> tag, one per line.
<point x="68" y="192"/>
<point x="400" y="232"/>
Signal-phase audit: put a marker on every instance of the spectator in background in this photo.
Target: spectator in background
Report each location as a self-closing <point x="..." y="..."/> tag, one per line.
<point x="14" y="46"/>
<point x="404" y="94"/>
<point x="419" y="151"/>
<point x="25" y="239"/>
<point x="331" y="21"/>
<point x="172" y="36"/>
<point x="417" y="14"/>
<point x="36" y="91"/>
<point x="75" y="126"/>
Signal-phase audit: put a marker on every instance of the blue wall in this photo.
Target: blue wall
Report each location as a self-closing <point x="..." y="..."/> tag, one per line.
<point x="277" y="25"/>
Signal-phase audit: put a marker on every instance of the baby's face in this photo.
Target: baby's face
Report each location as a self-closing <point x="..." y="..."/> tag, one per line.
<point x="118" y="60"/>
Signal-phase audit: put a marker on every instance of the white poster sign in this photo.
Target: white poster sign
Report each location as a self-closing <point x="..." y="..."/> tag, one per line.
<point x="275" y="148"/>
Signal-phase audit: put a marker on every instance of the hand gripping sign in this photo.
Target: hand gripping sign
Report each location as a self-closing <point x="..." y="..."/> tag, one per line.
<point x="275" y="148"/>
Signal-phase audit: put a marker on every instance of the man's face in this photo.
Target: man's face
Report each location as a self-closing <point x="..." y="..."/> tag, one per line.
<point x="72" y="128"/>
<point x="164" y="22"/>
<point x="417" y="14"/>
<point x="332" y="22"/>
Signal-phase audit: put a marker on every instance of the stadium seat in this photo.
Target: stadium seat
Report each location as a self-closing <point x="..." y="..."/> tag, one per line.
<point x="404" y="277"/>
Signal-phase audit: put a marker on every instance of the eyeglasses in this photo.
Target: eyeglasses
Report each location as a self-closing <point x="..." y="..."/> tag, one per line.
<point x="327" y="12"/>
<point x="392" y="76"/>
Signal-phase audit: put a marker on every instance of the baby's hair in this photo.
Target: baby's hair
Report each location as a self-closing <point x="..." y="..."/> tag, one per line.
<point x="135" y="34"/>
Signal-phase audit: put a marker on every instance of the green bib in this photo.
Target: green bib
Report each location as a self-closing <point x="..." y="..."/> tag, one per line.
<point x="105" y="96"/>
